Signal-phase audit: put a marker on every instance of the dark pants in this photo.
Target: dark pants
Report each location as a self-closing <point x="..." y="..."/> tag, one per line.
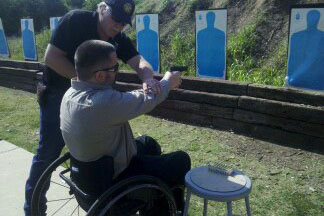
<point x="171" y="167"/>
<point x="49" y="147"/>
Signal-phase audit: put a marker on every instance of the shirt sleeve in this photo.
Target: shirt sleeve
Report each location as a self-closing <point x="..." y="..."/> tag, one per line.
<point x="120" y="107"/>
<point x="125" y="49"/>
<point x="63" y="33"/>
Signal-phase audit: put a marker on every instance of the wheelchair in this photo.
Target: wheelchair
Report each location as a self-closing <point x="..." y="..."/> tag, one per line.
<point x="138" y="195"/>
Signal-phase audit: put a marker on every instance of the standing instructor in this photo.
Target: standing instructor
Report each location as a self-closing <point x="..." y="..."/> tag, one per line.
<point x="74" y="28"/>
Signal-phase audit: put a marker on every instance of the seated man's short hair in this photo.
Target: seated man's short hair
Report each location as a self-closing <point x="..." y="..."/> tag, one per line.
<point x="89" y="55"/>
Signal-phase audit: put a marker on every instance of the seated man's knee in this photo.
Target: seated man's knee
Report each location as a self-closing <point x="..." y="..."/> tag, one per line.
<point x="184" y="159"/>
<point x="148" y="145"/>
<point x="179" y="164"/>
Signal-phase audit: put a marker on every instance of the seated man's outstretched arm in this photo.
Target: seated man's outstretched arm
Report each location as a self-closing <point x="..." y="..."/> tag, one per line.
<point x="123" y="106"/>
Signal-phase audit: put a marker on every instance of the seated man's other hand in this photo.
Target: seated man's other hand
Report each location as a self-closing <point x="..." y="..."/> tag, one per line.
<point x="173" y="78"/>
<point x="152" y="85"/>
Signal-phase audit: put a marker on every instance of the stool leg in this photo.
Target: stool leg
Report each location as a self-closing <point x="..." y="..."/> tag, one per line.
<point x="186" y="208"/>
<point x="229" y="209"/>
<point x="205" y="207"/>
<point x="247" y="204"/>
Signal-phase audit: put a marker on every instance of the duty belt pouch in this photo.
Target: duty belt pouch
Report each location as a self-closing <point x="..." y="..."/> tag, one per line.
<point x="42" y="90"/>
<point x="43" y="86"/>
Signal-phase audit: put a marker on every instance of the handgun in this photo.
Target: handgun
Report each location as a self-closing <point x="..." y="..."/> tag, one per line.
<point x="178" y="68"/>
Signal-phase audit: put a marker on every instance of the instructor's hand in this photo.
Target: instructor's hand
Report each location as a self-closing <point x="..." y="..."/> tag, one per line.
<point x="152" y="85"/>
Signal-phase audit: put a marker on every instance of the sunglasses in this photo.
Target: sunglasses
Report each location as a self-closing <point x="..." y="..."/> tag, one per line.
<point x="118" y="21"/>
<point x="114" y="69"/>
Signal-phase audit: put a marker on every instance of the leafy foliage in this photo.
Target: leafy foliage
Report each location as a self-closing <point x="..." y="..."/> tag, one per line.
<point x="91" y="4"/>
<point x="199" y="5"/>
<point x="40" y="10"/>
<point x="73" y="4"/>
<point x="42" y="40"/>
<point x="242" y="64"/>
<point x="179" y="51"/>
<point x="15" y="45"/>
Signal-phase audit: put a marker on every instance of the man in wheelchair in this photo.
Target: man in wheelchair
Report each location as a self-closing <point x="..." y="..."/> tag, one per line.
<point x="94" y="124"/>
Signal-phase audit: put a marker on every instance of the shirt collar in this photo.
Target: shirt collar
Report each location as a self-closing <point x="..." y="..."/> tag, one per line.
<point x="83" y="85"/>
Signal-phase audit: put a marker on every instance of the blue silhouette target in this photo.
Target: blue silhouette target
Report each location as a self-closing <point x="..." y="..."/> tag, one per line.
<point x="147" y="28"/>
<point x="28" y="39"/>
<point x="4" y="50"/>
<point x="54" y="21"/>
<point x="306" y="49"/>
<point x="211" y="43"/>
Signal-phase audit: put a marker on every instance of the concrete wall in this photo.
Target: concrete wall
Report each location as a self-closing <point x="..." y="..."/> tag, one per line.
<point x="280" y="115"/>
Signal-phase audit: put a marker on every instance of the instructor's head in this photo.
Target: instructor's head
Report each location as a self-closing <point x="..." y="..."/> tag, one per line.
<point x="96" y="61"/>
<point x="114" y="15"/>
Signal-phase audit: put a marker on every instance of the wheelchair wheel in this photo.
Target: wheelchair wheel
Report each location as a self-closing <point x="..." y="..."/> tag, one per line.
<point x="59" y="198"/>
<point x="137" y="195"/>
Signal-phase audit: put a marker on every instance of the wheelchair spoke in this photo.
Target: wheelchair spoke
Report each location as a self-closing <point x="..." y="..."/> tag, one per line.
<point x="75" y="210"/>
<point x="62" y="206"/>
<point x="60" y="184"/>
<point x="135" y="188"/>
<point x="60" y="199"/>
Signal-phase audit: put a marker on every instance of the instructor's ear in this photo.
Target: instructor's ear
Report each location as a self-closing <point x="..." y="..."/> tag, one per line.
<point x="101" y="8"/>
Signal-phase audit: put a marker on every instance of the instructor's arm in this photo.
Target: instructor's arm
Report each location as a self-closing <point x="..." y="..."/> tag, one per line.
<point x="142" y="67"/>
<point x="56" y="59"/>
<point x="145" y="73"/>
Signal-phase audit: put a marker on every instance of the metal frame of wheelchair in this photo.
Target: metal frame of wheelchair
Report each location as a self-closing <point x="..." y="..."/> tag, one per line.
<point x="132" y="196"/>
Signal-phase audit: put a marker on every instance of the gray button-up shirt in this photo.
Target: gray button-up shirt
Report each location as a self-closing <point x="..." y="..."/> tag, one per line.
<point x="94" y="120"/>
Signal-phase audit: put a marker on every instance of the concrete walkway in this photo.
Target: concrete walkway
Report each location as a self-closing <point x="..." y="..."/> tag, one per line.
<point x="14" y="165"/>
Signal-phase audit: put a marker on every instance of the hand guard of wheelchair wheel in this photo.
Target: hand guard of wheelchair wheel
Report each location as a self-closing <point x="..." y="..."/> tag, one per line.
<point x="41" y="93"/>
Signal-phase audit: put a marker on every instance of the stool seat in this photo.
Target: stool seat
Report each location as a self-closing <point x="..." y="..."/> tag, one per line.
<point x="211" y="185"/>
<point x="218" y="187"/>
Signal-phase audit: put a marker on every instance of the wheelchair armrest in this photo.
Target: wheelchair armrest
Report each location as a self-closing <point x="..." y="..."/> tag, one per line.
<point x="73" y="186"/>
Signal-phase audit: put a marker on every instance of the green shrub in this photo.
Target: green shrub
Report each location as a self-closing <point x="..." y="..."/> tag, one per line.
<point x="275" y="68"/>
<point x="165" y="4"/>
<point x="179" y="51"/>
<point x="243" y="44"/>
<point x="15" y="48"/>
<point x="240" y="48"/>
<point x="243" y="64"/>
<point x="199" y="5"/>
<point x="42" y="40"/>
<point x="91" y="4"/>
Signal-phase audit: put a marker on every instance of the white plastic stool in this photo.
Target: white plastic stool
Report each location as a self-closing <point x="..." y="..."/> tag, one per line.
<point x="218" y="187"/>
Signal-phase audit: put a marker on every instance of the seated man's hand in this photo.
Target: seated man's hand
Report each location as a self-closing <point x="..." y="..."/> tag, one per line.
<point x="173" y="78"/>
<point x="152" y="85"/>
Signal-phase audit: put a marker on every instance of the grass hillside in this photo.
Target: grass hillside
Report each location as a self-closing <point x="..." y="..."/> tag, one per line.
<point x="256" y="43"/>
<point x="257" y="35"/>
<point x="270" y="17"/>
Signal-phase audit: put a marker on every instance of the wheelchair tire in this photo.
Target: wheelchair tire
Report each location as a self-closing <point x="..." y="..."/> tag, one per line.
<point x="42" y="187"/>
<point x="105" y="203"/>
